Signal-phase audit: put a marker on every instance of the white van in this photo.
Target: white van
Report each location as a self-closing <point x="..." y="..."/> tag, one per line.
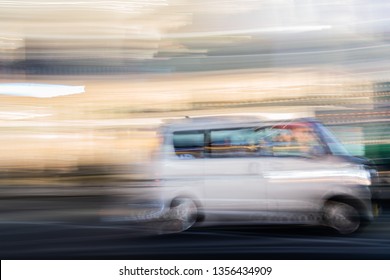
<point x="249" y="170"/>
<point x="231" y="169"/>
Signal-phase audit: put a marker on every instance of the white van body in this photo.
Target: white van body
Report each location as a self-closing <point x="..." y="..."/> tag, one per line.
<point x="232" y="169"/>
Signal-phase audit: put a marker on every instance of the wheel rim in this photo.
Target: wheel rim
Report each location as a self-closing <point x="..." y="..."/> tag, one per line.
<point x="342" y="217"/>
<point x="184" y="213"/>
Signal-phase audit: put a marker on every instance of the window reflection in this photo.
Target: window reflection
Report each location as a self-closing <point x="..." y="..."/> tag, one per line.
<point x="297" y="139"/>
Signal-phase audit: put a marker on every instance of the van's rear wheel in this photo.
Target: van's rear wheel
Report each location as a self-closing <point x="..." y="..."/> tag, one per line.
<point x="342" y="217"/>
<point x="184" y="212"/>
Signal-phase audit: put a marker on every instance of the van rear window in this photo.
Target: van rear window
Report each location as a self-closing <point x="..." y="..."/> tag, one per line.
<point x="189" y="144"/>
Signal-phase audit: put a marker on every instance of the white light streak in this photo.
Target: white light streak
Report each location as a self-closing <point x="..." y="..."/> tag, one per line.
<point x="39" y="90"/>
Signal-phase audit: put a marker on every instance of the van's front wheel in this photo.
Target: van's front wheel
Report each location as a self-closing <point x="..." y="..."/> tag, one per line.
<point x="342" y="217"/>
<point x="184" y="212"/>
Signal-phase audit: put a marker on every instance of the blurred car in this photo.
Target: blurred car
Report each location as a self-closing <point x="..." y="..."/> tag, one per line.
<point x="250" y="170"/>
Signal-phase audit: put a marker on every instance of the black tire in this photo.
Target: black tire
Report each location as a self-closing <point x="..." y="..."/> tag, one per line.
<point x="342" y="217"/>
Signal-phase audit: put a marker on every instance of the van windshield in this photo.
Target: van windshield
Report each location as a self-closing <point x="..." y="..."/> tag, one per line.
<point x="333" y="143"/>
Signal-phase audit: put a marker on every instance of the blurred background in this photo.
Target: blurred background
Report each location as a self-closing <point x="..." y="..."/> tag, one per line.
<point x="84" y="84"/>
<point x="136" y="62"/>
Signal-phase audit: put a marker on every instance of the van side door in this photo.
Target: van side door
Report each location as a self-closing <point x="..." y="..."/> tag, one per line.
<point x="233" y="173"/>
<point x="298" y="171"/>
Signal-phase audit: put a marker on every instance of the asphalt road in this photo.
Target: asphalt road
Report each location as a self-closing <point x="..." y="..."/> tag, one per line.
<point x="64" y="240"/>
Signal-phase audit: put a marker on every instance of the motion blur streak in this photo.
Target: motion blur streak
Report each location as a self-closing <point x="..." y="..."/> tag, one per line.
<point x="39" y="90"/>
<point x="82" y="158"/>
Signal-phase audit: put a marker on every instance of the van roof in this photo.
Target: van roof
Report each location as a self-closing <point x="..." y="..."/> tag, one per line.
<point x="207" y="120"/>
<point x="221" y="121"/>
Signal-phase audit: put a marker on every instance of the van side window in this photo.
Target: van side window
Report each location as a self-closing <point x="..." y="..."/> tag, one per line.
<point x="292" y="140"/>
<point x="280" y="140"/>
<point x="189" y="144"/>
<point x="237" y="142"/>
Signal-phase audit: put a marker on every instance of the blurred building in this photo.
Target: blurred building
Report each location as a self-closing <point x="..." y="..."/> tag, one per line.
<point x="141" y="61"/>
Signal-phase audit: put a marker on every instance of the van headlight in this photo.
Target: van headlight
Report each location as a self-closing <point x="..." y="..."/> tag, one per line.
<point x="364" y="175"/>
<point x="373" y="174"/>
